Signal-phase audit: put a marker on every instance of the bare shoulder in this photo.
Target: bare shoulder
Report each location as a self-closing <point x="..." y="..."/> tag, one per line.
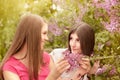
<point x="10" y="76"/>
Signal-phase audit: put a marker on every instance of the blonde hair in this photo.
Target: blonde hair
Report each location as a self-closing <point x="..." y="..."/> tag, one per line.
<point x="29" y="32"/>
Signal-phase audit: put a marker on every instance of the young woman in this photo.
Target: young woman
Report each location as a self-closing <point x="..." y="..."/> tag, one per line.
<point x="81" y="40"/>
<point x="26" y="58"/>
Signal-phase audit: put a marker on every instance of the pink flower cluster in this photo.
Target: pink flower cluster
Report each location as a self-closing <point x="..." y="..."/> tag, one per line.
<point x="53" y="27"/>
<point x="73" y="59"/>
<point x="107" y="68"/>
<point x="112" y="71"/>
<point x="101" y="70"/>
<point x="106" y="4"/>
<point x="113" y="24"/>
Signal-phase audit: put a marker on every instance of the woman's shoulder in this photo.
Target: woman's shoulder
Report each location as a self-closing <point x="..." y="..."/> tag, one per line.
<point x="10" y="61"/>
<point x="57" y="54"/>
<point x="57" y="51"/>
<point x="11" y="65"/>
<point x="14" y="64"/>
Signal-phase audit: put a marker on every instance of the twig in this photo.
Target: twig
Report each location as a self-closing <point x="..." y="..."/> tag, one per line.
<point x="104" y="57"/>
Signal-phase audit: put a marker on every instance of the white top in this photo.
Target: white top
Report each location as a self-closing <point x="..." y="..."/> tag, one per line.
<point x="57" y="54"/>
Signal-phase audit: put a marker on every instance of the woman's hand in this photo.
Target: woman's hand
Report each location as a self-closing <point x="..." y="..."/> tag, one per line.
<point x="61" y="66"/>
<point x="76" y="75"/>
<point x="95" y="67"/>
<point x="85" y="66"/>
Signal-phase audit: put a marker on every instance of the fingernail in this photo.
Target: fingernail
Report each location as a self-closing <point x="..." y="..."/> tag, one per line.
<point x="68" y="66"/>
<point x="85" y="58"/>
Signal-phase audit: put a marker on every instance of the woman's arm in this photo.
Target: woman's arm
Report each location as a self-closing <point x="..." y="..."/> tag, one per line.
<point x="95" y="67"/>
<point x="83" y="70"/>
<point x="56" y="70"/>
<point x="10" y="76"/>
<point x="52" y="64"/>
<point x="89" y="70"/>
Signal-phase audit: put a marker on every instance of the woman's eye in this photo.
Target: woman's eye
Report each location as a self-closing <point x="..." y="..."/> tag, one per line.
<point x="70" y="38"/>
<point x="45" y="33"/>
<point x="77" y="40"/>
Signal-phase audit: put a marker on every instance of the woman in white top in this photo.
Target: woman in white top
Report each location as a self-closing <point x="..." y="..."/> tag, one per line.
<point x="81" y="40"/>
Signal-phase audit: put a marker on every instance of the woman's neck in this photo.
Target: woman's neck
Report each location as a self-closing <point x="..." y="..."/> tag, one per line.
<point x="22" y="56"/>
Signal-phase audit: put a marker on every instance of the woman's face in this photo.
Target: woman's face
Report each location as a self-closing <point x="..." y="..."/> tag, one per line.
<point x="74" y="43"/>
<point x="44" y="32"/>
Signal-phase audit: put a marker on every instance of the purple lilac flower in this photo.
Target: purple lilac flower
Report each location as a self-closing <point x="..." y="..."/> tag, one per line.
<point x="73" y="59"/>
<point x="113" y="71"/>
<point x="83" y="10"/>
<point x="101" y="70"/>
<point x="106" y="4"/>
<point x="55" y="29"/>
<point x="112" y="26"/>
<point x="112" y="13"/>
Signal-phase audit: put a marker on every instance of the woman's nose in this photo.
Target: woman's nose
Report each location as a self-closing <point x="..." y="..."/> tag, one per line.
<point x="73" y="43"/>
<point x="46" y="38"/>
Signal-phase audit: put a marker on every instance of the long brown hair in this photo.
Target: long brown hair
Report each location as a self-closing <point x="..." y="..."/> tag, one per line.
<point x="29" y="32"/>
<point x="86" y="36"/>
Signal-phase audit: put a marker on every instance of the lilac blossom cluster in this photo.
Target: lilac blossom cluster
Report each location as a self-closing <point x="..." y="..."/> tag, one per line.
<point x="82" y="10"/>
<point x="113" y="71"/>
<point x="53" y="27"/>
<point x="101" y="70"/>
<point x="110" y="6"/>
<point x="106" y="68"/>
<point x="73" y="59"/>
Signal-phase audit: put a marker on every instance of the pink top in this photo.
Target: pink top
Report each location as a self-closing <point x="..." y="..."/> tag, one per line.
<point x="17" y="67"/>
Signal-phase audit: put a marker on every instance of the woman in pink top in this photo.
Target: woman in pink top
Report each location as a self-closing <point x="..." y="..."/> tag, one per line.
<point x="26" y="59"/>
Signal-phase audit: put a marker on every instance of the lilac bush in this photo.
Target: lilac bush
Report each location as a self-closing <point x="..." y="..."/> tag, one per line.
<point x="104" y="17"/>
<point x="111" y="8"/>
